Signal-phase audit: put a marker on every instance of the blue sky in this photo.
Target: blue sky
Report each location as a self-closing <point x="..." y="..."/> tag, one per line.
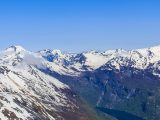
<point x="79" y="25"/>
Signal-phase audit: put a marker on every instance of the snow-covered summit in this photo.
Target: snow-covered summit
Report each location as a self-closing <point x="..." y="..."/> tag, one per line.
<point x="15" y="48"/>
<point x="91" y="60"/>
<point x="69" y="63"/>
<point x="28" y="93"/>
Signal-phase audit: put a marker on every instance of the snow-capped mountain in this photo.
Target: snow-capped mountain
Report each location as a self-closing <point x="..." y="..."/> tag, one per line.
<point x="74" y="64"/>
<point x="41" y="85"/>
<point x="26" y="93"/>
<point x="122" y="83"/>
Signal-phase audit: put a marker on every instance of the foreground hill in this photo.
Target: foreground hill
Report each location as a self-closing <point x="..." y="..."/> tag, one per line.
<point x="26" y="93"/>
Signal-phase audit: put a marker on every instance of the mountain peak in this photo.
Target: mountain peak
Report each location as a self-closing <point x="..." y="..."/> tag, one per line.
<point x="56" y="51"/>
<point x="15" y="48"/>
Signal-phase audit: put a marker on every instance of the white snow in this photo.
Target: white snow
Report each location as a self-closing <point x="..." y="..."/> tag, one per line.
<point x="95" y="60"/>
<point x="20" y="74"/>
<point x="20" y="77"/>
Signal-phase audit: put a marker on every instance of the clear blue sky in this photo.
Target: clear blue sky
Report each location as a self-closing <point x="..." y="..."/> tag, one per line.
<point x="78" y="25"/>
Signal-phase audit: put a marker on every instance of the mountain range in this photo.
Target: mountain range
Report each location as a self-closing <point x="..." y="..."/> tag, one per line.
<point x="54" y="85"/>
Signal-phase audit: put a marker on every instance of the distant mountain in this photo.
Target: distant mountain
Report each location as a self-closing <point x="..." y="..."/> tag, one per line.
<point x="93" y="85"/>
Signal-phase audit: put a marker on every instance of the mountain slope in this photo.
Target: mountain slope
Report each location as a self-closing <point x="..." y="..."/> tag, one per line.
<point x="28" y="93"/>
<point x="50" y="84"/>
<point x="117" y="80"/>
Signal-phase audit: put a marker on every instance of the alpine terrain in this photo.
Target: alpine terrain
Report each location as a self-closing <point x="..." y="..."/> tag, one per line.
<point x="53" y="85"/>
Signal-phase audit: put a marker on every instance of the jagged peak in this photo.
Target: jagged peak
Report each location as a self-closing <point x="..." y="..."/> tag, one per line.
<point x="56" y="51"/>
<point x="16" y="48"/>
<point x="147" y="51"/>
<point x="155" y="47"/>
<point x="120" y="51"/>
<point x="93" y="52"/>
<point x="45" y="51"/>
